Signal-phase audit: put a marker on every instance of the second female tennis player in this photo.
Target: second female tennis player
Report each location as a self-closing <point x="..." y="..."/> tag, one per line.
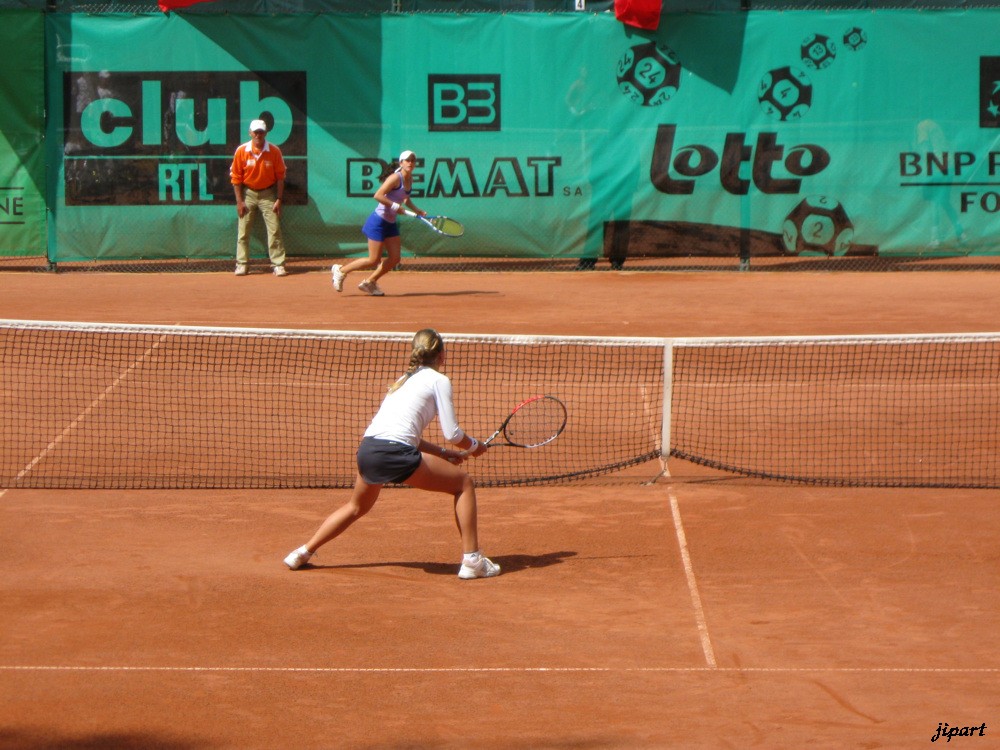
<point x="381" y="228"/>
<point x="394" y="451"/>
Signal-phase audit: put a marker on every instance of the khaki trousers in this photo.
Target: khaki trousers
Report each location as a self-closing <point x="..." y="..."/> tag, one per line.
<point x="262" y="201"/>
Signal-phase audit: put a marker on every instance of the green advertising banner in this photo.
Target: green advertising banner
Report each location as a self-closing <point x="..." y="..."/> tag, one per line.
<point x="22" y="127"/>
<point x="561" y="135"/>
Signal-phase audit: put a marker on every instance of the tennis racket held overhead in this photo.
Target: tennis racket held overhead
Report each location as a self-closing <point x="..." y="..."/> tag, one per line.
<point x="440" y="224"/>
<point x="534" y="422"/>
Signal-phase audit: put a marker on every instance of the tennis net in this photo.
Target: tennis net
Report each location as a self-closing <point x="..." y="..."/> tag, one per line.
<point x="915" y="410"/>
<point x="128" y="406"/>
<point x="131" y="406"/>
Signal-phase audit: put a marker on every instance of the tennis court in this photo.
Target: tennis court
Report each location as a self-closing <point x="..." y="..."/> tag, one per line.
<point x="698" y="611"/>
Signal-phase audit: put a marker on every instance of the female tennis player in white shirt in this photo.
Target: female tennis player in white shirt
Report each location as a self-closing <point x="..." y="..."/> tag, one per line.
<point x="393" y="450"/>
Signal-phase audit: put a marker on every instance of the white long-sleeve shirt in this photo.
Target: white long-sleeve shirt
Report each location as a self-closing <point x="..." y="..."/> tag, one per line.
<point x="406" y="412"/>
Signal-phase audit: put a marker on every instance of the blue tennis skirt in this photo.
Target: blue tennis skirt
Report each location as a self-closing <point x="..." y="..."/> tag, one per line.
<point x="386" y="461"/>
<point x="378" y="229"/>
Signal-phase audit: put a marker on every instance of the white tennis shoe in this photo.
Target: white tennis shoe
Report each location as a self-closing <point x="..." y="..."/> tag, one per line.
<point x="280" y="271"/>
<point x="371" y="288"/>
<point x="479" y="567"/>
<point x="297" y="558"/>
<point x="338" y="278"/>
<point x="241" y="269"/>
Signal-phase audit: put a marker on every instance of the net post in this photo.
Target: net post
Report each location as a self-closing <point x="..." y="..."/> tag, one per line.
<point x="668" y="376"/>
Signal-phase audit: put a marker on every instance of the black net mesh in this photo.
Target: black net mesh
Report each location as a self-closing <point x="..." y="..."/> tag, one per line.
<point x="152" y="407"/>
<point x="115" y="406"/>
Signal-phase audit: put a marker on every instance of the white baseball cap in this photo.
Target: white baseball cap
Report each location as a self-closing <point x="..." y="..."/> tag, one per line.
<point x="406" y="155"/>
<point x="256" y="125"/>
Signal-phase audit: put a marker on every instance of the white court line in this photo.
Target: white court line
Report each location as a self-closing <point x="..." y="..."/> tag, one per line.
<point x="699" y="612"/>
<point x="86" y="412"/>
<point x="514" y="670"/>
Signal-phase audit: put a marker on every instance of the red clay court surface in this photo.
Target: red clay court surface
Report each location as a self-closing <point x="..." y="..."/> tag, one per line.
<point x="696" y="612"/>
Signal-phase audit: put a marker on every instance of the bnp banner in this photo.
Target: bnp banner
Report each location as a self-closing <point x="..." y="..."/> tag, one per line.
<point x="547" y="135"/>
<point x="22" y="166"/>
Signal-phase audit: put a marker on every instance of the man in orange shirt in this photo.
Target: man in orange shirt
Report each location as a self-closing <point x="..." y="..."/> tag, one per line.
<point x="258" y="177"/>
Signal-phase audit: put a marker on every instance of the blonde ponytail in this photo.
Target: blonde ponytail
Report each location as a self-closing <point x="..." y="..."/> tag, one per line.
<point x="427" y="347"/>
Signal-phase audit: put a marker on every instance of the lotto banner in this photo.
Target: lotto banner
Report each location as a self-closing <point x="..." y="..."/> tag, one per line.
<point x="547" y="135"/>
<point x="22" y="169"/>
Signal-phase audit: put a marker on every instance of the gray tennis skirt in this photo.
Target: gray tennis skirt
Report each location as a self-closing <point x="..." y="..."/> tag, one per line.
<point x="386" y="461"/>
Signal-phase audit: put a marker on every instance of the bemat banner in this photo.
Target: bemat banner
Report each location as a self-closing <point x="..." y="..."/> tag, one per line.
<point x="820" y="132"/>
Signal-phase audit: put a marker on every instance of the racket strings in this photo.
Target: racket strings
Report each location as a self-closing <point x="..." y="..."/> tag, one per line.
<point x="448" y="226"/>
<point x="536" y="423"/>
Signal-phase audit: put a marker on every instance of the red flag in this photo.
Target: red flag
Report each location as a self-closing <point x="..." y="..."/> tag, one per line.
<point x="645" y="14"/>
<point x="168" y="5"/>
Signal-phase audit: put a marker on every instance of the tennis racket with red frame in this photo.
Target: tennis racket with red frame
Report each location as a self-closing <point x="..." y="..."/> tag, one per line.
<point x="533" y="423"/>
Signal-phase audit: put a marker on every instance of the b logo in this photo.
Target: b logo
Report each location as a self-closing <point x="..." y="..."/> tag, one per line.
<point x="463" y="102"/>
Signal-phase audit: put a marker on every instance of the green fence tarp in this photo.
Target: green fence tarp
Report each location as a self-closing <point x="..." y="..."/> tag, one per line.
<point x="22" y="166"/>
<point x="840" y="132"/>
